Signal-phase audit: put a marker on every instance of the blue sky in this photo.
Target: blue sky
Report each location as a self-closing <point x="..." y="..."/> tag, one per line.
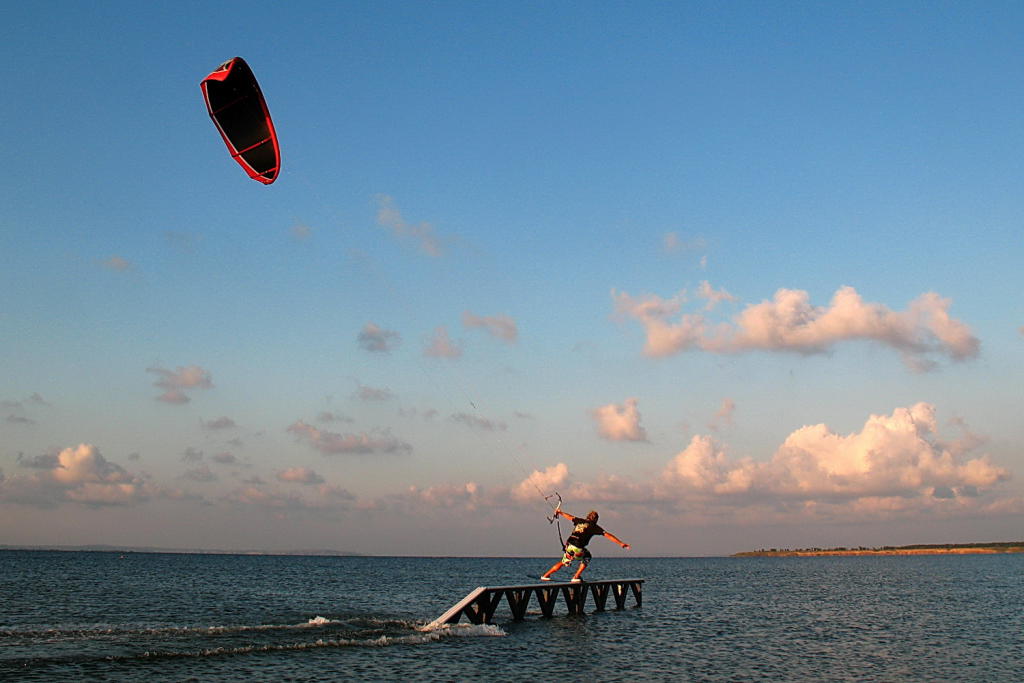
<point x="734" y="275"/>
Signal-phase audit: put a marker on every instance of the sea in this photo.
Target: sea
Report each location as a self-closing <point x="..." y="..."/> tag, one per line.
<point x="207" y="617"/>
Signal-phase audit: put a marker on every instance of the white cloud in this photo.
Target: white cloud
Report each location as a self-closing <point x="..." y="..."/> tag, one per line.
<point x="175" y="383"/>
<point x="441" y="346"/>
<point x="893" y="456"/>
<point x="895" y="467"/>
<point x="80" y="474"/>
<point x="376" y="339"/>
<point x="499" y="326"/>
<point x="713" y="297"/>
<point x="620" y="422"/>
<point x="789" y="323"/>
<point x="390" y="218"/>
<point x="467" y="495"/>
<point x="300" y="475"/>
<point x="331" y="443"/>
<point x="542" y="482"/>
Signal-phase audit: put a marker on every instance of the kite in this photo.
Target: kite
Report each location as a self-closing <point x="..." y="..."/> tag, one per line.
<point x="236" y="105"/>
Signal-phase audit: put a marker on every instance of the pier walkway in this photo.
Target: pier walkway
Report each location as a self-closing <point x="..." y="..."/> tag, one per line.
<point x="479" y="606"/>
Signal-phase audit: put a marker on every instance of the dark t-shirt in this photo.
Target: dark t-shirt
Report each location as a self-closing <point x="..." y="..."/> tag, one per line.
<point x="582" y="532"/>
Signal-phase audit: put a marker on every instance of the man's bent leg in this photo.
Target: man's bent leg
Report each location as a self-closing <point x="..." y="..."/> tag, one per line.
<point x="584" y="563"/>
<point x="554" y="568"/>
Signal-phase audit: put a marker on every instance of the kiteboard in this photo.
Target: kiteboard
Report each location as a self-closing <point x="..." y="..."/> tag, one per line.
<point x="237" y="107"/>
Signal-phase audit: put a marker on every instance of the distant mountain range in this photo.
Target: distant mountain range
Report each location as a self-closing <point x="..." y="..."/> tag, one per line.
<point x="191" y="551"/>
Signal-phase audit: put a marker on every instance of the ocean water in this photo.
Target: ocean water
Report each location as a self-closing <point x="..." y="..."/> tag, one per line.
<point x="155" y="617"/>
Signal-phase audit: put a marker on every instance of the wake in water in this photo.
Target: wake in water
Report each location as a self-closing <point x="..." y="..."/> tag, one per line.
<point x="21" y="649"/>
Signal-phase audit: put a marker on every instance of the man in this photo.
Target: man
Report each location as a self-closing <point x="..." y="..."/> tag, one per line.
<point x="576" y="546"/>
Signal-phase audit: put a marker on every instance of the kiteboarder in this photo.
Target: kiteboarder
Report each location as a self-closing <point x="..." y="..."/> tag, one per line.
<point x="584" y="528"/>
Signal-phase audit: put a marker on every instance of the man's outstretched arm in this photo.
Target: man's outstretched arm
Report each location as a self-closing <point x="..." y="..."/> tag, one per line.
<point x="611" y="537"/>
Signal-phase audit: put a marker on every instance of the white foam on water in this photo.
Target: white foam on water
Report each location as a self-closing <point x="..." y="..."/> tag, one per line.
<point x="380" y="641"/>
<point x="464" y="630"/>
<point x="92" y="631"/>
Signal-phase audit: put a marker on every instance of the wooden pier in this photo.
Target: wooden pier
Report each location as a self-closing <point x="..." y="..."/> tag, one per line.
<point x="479" y="606"/>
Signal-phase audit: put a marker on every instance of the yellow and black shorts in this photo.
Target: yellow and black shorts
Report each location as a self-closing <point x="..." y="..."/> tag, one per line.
<point x="573" y="553"/>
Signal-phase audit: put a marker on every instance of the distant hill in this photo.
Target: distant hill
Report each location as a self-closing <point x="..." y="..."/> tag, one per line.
<point x="922" y="549"/>
<point x="190" y="551"/>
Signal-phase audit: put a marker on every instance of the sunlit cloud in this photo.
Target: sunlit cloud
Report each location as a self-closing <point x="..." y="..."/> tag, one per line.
<point x="175" y="383"/>
<point x="300" y="475"/>
<point x="390" y="218"/>
<point x="501" y="327"/>
<point x="896" y="466"/>
<point x="376" y="339"/>
<point x="467" y="496"/>
<point x="80" y="474"/>
<point x="897" y="455"/>
<point x="441" y="346"/>
<point x="542" y="483"/>
<point x="789" y="323"/>
<point x="713" y="297"/>
<point x="363" y="443"/>
<point x="118" y="264"/>
<point x="620" y="422"/>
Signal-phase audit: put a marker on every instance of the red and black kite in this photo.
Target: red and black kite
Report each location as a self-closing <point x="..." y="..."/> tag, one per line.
<point x="237" y="107"/>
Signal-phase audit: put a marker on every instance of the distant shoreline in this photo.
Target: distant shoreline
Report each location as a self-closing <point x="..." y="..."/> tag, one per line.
<point x="935" y="549"/>
<point x="177" y="551"/>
